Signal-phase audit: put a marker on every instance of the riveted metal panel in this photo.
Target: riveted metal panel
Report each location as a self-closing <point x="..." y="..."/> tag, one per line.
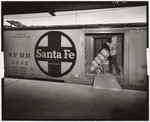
<point x="133" y="56"/>
<point x="19" y="47"/>
<point x="142" y="63"/>
<point x="137" y="57"/>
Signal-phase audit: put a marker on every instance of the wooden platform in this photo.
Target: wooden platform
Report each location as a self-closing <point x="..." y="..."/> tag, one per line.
<point x="40" y="100"/>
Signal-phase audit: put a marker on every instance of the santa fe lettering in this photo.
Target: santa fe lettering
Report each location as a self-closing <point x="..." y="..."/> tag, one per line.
<point x="54" y="54"/>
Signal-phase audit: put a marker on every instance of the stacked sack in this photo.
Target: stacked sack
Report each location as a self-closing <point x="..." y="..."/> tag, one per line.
<point x="99" y="59"/>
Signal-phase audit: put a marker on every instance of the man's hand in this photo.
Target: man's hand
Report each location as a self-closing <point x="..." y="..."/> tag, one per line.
<point x="111" y="46"/>
<point x="107" y="43"/>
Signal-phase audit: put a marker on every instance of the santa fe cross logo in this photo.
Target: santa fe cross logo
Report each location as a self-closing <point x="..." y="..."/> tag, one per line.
<point x="55" y="54"/>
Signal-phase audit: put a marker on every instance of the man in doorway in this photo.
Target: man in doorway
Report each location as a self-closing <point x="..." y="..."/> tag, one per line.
<point x="113" y="55"/>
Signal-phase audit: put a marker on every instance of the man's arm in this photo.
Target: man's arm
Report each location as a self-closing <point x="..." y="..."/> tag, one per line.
<point x="111" y="46"/>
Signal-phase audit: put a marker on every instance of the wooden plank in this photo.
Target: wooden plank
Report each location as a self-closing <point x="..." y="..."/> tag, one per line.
<point x="106" y="81"/>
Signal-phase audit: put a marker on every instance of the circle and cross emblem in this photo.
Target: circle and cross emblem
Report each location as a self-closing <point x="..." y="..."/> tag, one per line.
<point x="55" y="54"/>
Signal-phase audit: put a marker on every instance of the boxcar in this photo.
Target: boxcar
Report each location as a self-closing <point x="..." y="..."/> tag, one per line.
<point x="64" y="53"/>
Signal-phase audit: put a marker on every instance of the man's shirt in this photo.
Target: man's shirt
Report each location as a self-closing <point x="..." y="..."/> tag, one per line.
<point x="112" y="46"/>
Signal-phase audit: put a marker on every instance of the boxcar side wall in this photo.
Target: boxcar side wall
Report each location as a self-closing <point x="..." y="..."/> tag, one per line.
<point x="39" y="54"/>
<point x="20" y="61"/>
